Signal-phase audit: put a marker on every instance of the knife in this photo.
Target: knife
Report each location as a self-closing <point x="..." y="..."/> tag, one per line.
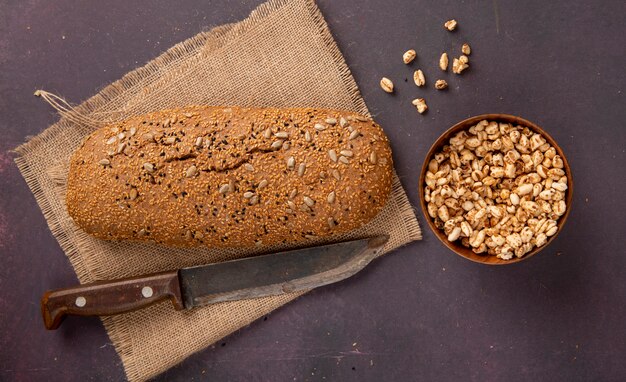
<point x="252" y="277"/>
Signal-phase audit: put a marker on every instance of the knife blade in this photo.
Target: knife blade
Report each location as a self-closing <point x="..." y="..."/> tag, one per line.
<point x="186" y="288"/>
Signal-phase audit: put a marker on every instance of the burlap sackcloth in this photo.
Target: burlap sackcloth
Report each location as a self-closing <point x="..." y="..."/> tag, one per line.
<point x="282" y="55"/>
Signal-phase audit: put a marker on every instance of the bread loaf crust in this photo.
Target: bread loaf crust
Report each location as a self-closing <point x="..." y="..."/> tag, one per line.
<point x="230" y="176"/>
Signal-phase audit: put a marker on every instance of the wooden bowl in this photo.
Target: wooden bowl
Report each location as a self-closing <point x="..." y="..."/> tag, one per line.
<point x="456" y="246"/>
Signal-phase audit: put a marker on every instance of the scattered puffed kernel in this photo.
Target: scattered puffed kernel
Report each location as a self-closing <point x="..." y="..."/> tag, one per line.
<point x="455" y="66"/>
<point x="418" y="77"/>
<point x="420" y="104"/>
<point x="466" y="49"/>
<point x="408" y="56"/>
<point x="459" y="64"/>
<point x="450" y="25"/>
<point x="443" y="62"/>
<point x="386" y="84"/>
<point x="441" y="84"/>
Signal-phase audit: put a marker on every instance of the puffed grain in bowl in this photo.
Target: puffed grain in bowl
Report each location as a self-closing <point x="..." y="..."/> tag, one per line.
<point x="496" y="188"/>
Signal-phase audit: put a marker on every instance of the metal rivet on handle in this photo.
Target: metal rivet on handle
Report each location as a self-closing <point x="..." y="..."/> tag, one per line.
<point x="81" y="301"/>
<point x="147" y="292"/>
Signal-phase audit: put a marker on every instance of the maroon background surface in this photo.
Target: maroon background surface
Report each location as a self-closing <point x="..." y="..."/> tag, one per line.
<point x="421" y="313"/>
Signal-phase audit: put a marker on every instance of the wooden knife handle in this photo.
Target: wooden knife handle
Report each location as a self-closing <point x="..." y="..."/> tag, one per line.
<point x="110" y="297"/>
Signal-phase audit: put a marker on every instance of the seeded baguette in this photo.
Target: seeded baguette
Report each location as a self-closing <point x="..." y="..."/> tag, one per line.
<point x="230" y="177"/>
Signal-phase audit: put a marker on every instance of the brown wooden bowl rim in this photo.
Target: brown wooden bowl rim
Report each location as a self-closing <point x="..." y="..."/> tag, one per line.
<point x="466" y="124"/>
